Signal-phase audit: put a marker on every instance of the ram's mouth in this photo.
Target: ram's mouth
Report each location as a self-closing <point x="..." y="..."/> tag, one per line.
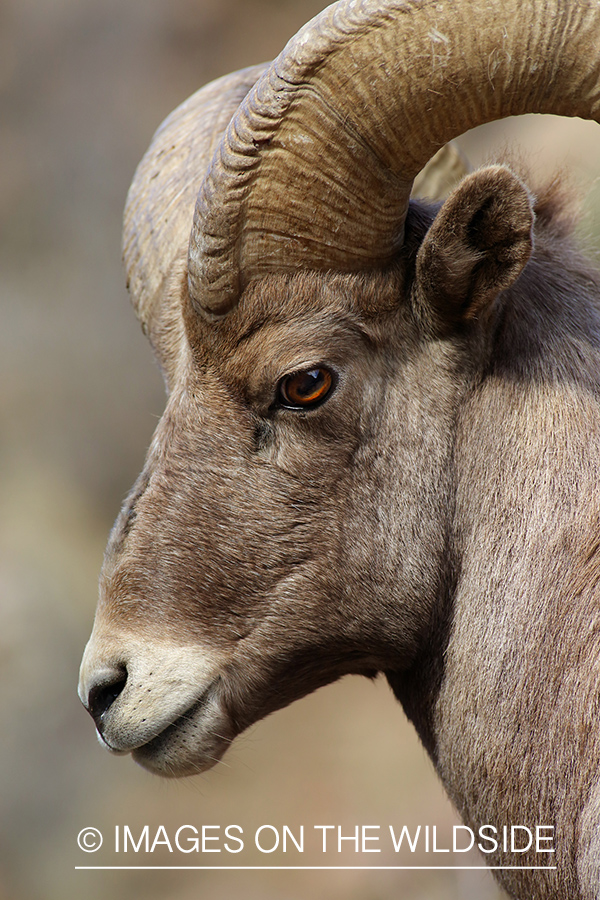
<point x="194" y="742"/>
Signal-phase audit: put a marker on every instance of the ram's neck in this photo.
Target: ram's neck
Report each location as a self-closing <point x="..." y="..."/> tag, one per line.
<point x="513" y="728"/>
<point x="516" y="716"/>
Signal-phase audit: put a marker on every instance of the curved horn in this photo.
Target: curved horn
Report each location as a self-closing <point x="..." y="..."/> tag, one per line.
<point x="160" y="203"/>
<point x="316" y="166"/>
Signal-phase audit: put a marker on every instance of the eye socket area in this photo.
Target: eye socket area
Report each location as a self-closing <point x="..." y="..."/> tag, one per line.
<point x="306" y="388"/>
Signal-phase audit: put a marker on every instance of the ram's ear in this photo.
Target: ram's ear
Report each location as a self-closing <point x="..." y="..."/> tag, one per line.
<point x="477" y="246"/>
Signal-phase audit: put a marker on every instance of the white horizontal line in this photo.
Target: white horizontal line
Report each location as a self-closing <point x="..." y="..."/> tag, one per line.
<point x="323" y="868"/>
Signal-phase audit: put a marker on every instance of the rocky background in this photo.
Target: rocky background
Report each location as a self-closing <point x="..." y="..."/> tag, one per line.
<point x="83" y="84"/>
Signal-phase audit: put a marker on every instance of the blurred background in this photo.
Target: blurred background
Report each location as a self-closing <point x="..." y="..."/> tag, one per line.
<point x="83" y="85"/>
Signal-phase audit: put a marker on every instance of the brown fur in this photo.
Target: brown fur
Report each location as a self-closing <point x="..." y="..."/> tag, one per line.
<point x="436" y="519"/>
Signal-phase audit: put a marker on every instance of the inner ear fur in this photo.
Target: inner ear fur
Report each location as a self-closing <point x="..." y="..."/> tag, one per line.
<point x="476" y="247"/>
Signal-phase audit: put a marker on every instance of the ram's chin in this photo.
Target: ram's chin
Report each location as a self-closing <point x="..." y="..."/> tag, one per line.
<point x="177" y="761"/>
<point x="182" y="749"/>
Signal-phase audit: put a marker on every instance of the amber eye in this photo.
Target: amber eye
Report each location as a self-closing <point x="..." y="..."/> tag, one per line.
<point x="305" y="389"/>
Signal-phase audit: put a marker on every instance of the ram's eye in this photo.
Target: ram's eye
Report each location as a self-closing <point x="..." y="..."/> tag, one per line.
<point x="305" y="389"/>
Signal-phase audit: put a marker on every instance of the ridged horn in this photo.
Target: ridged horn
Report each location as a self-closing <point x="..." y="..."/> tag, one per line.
<point x="316" y="167"/>
<point x="160" y="205"/>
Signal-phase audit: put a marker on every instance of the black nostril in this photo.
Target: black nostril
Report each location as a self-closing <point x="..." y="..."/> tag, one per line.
<point x="102" y="696"/>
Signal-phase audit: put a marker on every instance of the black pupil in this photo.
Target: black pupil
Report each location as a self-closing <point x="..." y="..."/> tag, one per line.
<point x="308" y="384"/>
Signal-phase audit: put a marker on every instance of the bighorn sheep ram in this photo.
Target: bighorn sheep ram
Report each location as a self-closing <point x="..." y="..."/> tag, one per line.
<point x="381" y="446"/>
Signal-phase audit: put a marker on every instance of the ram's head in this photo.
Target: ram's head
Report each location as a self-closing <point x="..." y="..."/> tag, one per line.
<point x="317" y="333"/>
